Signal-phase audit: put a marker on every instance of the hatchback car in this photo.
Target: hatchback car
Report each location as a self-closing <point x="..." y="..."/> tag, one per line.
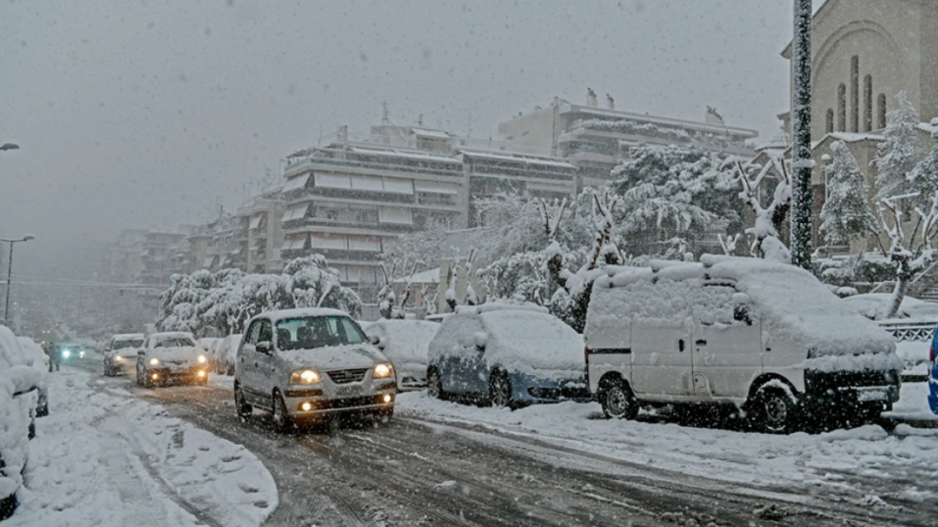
<point x="405" y="343"/>
<point x="120" y="353"/>
<point x="223" y="354"/>
<point x="171" y="357"/>
<point x="506" y="355"/>
<point x="305" y="364"/>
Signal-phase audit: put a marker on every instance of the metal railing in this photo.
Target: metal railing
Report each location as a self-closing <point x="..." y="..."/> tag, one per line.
<point x="909" y="331"/>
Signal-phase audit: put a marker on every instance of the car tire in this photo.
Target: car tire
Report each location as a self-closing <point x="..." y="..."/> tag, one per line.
<point x="500" y="390"/>
<point x="280" y="417"/>
<point x="435" y="384"/>
<point x="617" y="399"/>
<point x="773" y="411"/>
<point x="7" y="506"/>
<point x="241" y="405"/>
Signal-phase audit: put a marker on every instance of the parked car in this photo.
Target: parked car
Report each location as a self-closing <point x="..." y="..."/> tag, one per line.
<point x="507" y="356"/>
<point x="19" y="382"/>
<point x="120" y="353"/>
<point x="304" y="364"/>
<point x="208" y="344"/>
<point x="40" y="363"/>
<point x="405" y="343"/>
<point x="171" y="357"/>
<point x="69" y="352"/>
<point x="764" y="336"/>
<point x="933" y="374"/>
<point x="224" y="354"/>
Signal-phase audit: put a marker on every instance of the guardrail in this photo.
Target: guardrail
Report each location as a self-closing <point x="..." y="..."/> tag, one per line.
<point x="909" y="331"/>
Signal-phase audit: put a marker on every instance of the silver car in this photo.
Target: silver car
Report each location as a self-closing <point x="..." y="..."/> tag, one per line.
<point x="171" y="358"/>
<point x="304" y="364"/>
<point x="120" y="354"/>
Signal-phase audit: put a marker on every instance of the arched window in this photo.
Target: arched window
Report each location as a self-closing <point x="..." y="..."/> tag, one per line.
<point x="854" y="94"/>
<point x="829" y="125"/>
<point x="881" y="110"/>
<point x="868" y="103"/>
<point x="841" y="108"/>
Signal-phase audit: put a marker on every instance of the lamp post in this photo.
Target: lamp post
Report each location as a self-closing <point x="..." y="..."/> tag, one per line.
<point x="6" y="309"/>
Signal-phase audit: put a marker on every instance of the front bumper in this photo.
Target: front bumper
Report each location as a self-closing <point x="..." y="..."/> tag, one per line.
<point x="310" y="403"/>
<point x="842" y="391"/>
<point x="177" y="375"/>
<point x="531" y="389"/>
<point x="933" y="389"/>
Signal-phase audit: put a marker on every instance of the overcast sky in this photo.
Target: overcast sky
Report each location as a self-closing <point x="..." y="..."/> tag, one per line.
<point x="136" y="114"/>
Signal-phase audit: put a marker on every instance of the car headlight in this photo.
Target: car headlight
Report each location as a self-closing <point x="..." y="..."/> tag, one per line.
<point x="66" y="353"/>
<point x="81" y="354"/>
<point x="154" y="361"/>
<point x="118" y="358"/>
<point x="383" y="370"/>
<point x="304" y="377"/>
<point x="202" y="359"/>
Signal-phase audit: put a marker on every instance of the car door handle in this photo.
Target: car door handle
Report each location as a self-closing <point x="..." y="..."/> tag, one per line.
<point x="255" y="364"/>
<point x="701" y="342"/>
<point x="680" y="345"/>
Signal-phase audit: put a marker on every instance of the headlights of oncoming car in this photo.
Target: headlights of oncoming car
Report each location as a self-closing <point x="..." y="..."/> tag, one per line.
<point x="383" y="370"/>
<point x="202" y="359"/>
<point x="154" y="361"/>
<point x="304" y="377"/>
<point x="66" y="353"/>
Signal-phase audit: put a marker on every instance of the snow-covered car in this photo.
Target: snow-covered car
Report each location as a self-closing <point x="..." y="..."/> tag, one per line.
<point x="40" y="363"/>
<point x="224" y="354"/>
<point x="19" y="387"/>
<point x="506" y="355"/>
<point x="876" y="305"/>
<point x="209" y="344"/>
<point x="303" y="364"/>
<point x="933" y="374"/>
<point x="171" y="357"/>
<point x="120" y="353"/>
<point x="764" y="336"/>
<point x="405" y="344"/>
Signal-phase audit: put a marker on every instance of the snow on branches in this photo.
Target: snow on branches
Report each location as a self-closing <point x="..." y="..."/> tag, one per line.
<point x="846" y="214"/>
<point x="755" y="181"/>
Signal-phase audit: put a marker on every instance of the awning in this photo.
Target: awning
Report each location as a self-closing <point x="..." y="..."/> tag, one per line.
<point x="296" y="183"/>
<point x="329" y="241"/>
<point x="435" y="188"/>
<point x="294" y="243"/>
<point x="208" y="261"/>
<point x="295" y="212"/>
<point x="255" y="222"/>
<point x="332" y="181"/>
<point x="395" y="215"/>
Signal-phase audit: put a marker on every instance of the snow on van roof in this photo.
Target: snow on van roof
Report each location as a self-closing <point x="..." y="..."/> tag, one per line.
<point x="302" y="312"/>
<point x="487" y="308"/>
<point x="790" y="301"/>
<point x="171" y="334"/>
<point x="128" y="336"/>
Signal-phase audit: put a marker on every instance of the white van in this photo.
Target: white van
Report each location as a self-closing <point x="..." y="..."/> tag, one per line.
<point x="766" y="337"/>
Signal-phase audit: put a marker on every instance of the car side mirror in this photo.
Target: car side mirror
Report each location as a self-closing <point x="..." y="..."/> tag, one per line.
<point x="375" y="339"/>
<point x="263" y="347"/>
<point x="480" y="340"/>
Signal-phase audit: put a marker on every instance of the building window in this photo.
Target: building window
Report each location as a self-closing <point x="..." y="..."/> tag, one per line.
<point x="854" y="94"/>
<point x="868" y="103"/>
<point x="881" y="110"/>
<point x="829" y="125"/>
<point x="842" y="108"/>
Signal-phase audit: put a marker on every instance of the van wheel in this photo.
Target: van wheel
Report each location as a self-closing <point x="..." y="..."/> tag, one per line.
<point x="773" y="411"/>
<point x="241" y="405"/>
<point x="500" y="390"/>
<point x="281" y="418"/>
<point x="617" y="399"/>
<point x="435" y="384"/>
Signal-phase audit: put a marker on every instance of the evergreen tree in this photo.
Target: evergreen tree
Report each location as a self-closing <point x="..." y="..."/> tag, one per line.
<point x="899" y="152"/>
<point x="846" y="214"/>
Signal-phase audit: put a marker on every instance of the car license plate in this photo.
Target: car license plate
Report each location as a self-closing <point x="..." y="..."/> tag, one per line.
<point x="349" y="390"/>
<point x="871" y="394"/>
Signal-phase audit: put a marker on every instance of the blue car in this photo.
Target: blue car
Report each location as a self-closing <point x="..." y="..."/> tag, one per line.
<point x="506" y="356"/>
<point x="933" y="375"/>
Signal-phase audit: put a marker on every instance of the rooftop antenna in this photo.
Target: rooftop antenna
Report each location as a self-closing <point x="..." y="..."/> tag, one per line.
<point x="469" y="121"/>
<point x="385" y="119"/>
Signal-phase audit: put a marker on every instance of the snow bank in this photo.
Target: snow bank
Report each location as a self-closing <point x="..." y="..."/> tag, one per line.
<point x="103" y="457"/>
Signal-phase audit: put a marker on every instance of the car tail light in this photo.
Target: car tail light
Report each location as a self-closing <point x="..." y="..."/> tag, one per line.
<point x="586" y="354"/>
<point x="931" y="353"/>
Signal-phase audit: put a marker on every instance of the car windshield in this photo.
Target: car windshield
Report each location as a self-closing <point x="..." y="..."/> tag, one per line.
<point x="317" y="332"/>
<point x="174" y="342"/>
<point x="121" y="344"/>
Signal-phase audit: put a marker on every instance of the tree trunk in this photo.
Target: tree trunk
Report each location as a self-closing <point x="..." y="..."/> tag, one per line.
<point x="801" y="136"/>
<point x="903" y="278"/>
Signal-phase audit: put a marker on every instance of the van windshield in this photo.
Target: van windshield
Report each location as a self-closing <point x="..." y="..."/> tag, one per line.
<point x="317" y="332"/>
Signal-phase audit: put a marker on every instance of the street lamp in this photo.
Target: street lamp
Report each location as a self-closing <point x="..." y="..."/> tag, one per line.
<point x="6" y="309"/>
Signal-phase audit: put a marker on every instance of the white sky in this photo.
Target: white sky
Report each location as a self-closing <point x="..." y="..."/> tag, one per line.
<point x="145" y="113"/>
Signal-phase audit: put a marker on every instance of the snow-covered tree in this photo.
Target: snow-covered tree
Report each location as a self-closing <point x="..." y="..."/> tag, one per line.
<point x="899" y="152"/>
<point x="755" y="181"/>
<point x="846" y="214"/>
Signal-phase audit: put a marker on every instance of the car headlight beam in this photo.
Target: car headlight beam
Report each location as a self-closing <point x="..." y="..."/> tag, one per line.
<point x="202" y="359"/>
<point x="383" y="370"/>
<point x="306" y="376"/>
<point x="154" y="361"/>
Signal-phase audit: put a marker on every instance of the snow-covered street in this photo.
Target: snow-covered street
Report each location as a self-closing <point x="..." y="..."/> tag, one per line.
<point x="104" y="457"/>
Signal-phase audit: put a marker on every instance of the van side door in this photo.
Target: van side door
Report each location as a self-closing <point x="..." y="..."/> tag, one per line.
<point x="661" y="360"/>
<point x="727" y="346"/>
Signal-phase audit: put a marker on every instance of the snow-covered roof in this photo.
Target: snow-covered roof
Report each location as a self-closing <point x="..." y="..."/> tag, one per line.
<point x="519" y="159"/>
<point x="302" y="312"/>
<point x="128" y="336"/>
<point x="847" y="137"/>
<point x="488" y="308"/>
<point x="421" y="156"/>
<point x="170" y="335"/>
<point x="426" y="132"/>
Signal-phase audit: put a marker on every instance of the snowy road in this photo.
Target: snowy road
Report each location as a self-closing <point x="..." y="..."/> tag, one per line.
<point x="441" y="463"/>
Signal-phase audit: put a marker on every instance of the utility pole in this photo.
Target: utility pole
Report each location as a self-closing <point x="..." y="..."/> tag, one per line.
<point x="801" y="162"/>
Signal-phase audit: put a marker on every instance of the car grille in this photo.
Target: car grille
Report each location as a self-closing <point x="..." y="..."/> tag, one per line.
<point x="347" y="376"/>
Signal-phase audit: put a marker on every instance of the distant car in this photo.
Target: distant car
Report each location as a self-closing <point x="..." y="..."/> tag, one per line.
<point x="207" y="344"/>
<point x="69" y="352"/>
<point x="19" y="394"/>
<point x="405" y="344"/>
<point x="40" y="363"/>
<point x="224" y="354"/>
<point x="305" y="364"/>
<point x="507" y="356"/>
<point x="120" y="353"/>
<point x="171" y="357"/>
<point x="933" y="374"/>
